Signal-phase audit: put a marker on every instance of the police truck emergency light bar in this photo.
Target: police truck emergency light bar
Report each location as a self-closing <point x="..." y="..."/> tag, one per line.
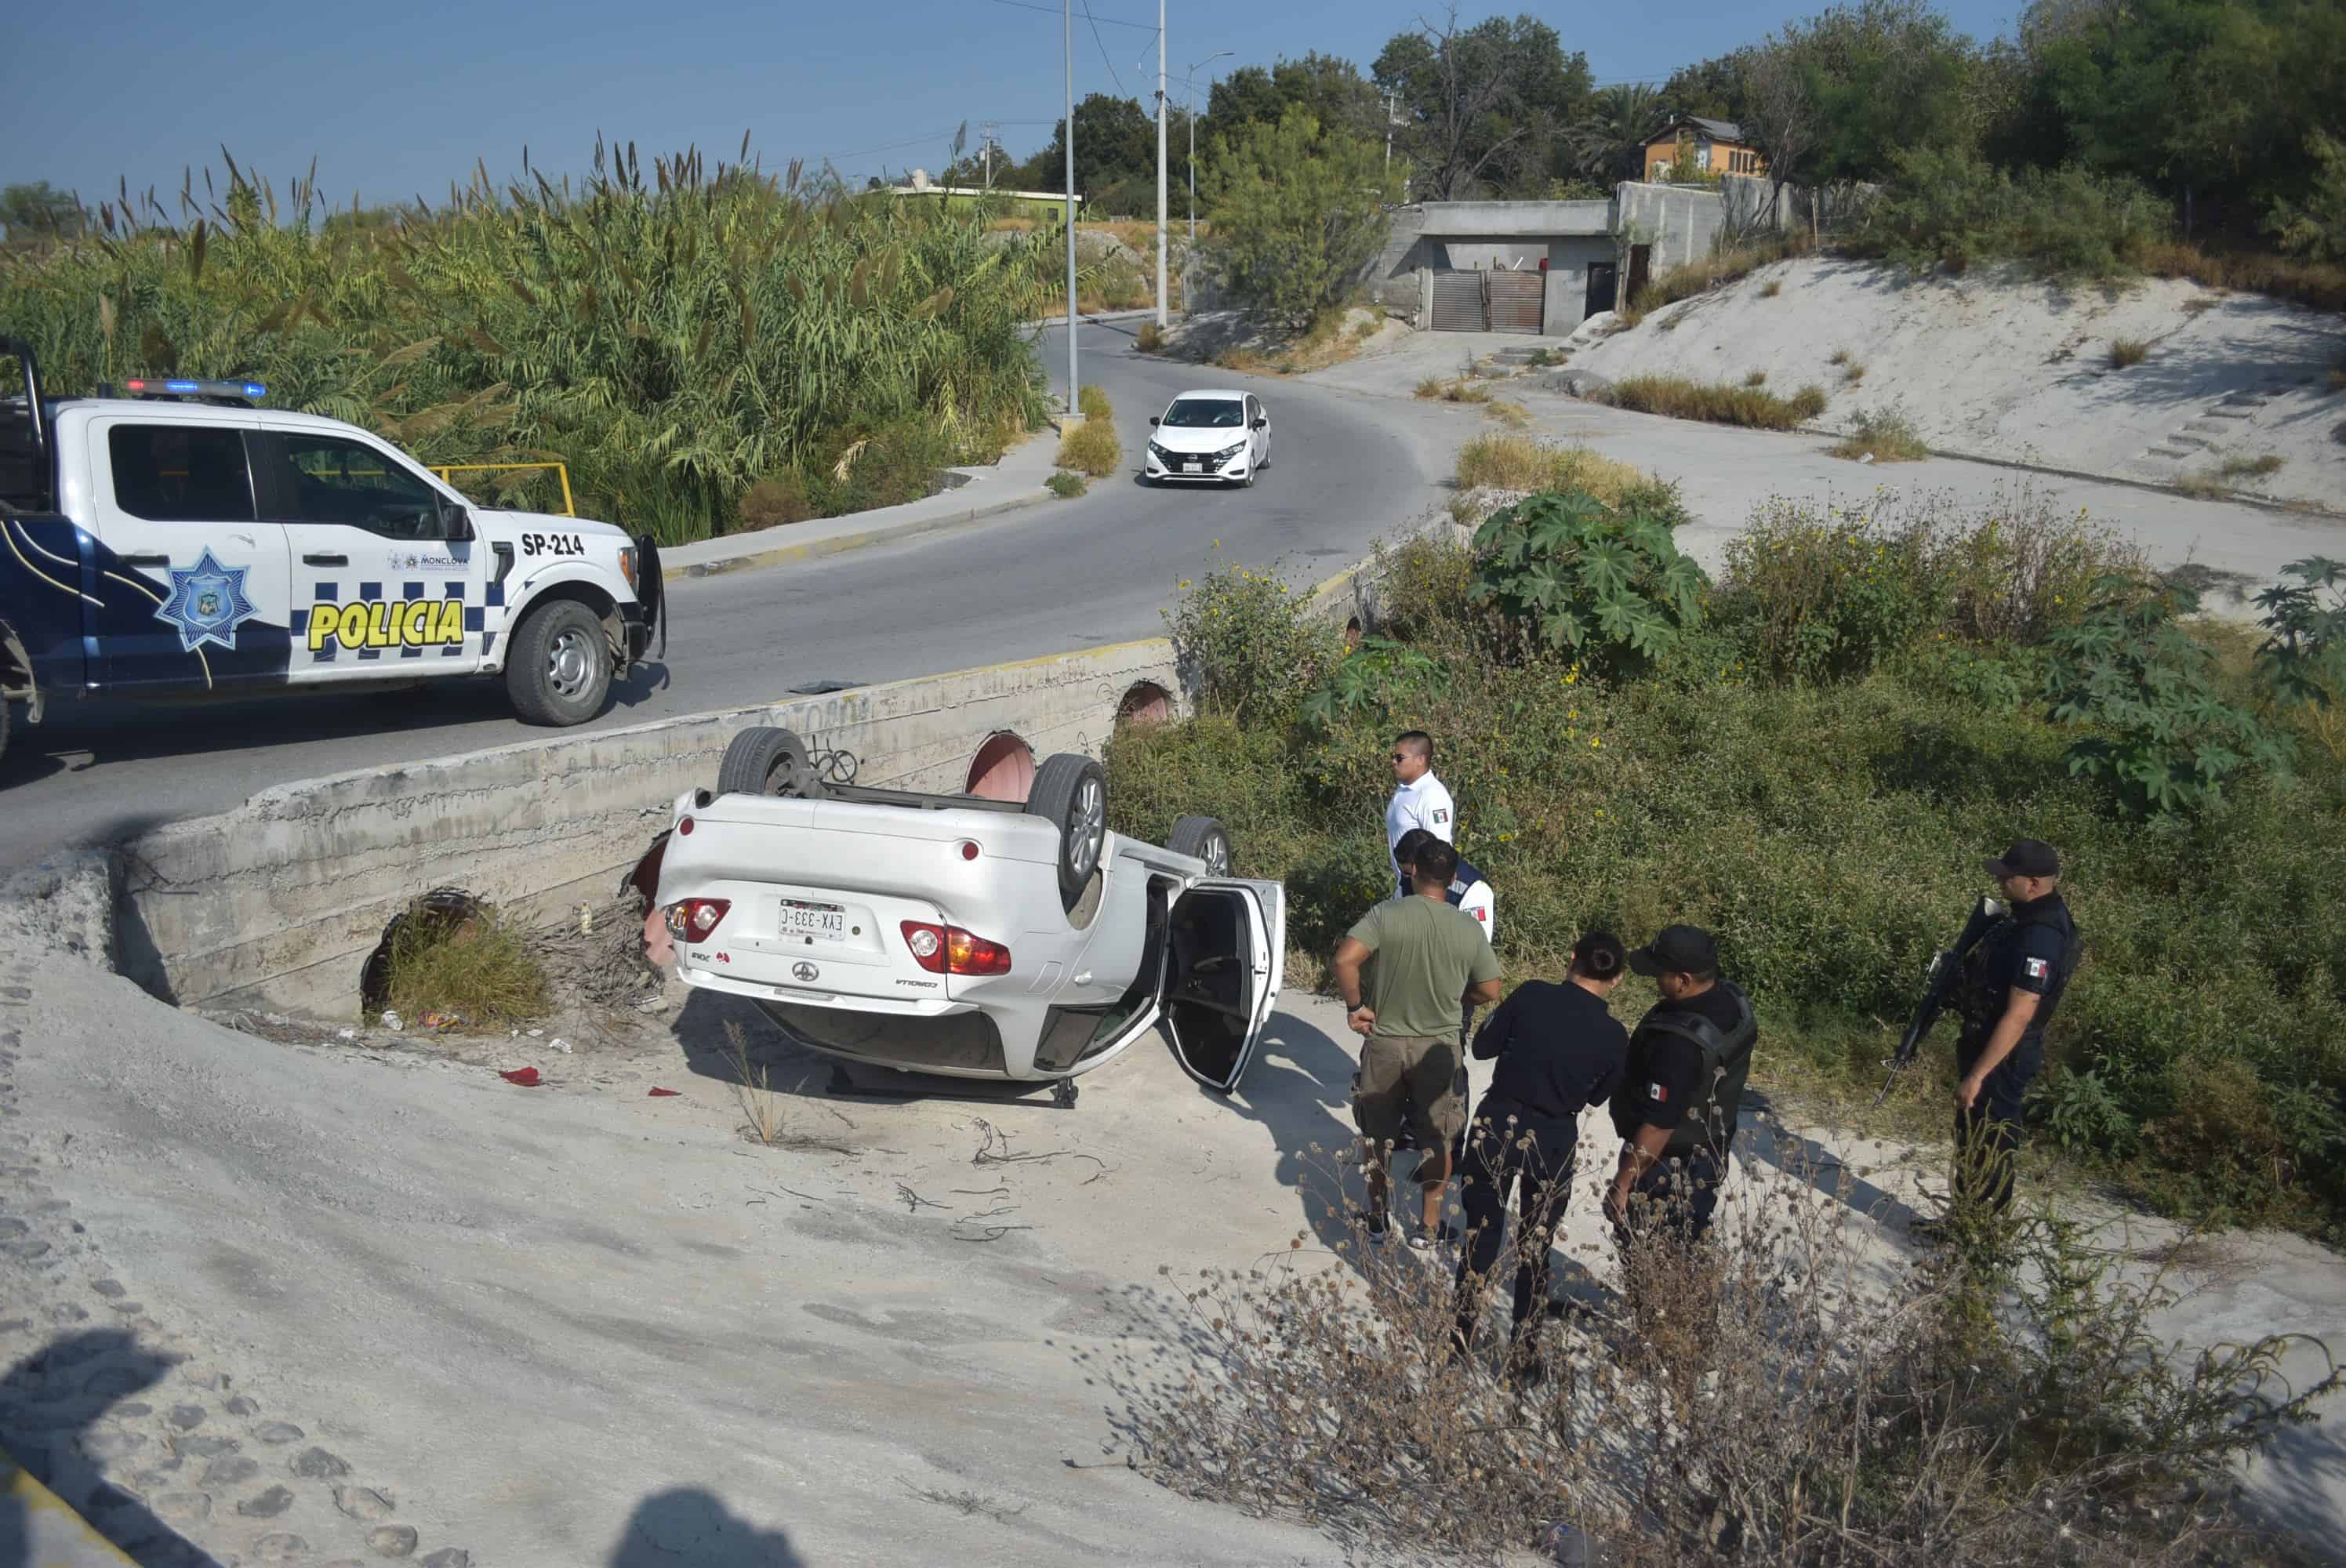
<point x="243" y="391"/>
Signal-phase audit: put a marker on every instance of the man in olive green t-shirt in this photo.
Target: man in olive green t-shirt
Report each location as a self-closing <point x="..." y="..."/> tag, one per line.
<point x="1431" y="957"/>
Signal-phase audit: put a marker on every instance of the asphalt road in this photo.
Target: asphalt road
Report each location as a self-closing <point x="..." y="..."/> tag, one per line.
<point x="1344" y="468"/>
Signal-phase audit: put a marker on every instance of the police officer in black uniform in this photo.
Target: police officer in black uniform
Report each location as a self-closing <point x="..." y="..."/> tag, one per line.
<point x="2013" y="979"/>
<point x="1681" y="1088"/>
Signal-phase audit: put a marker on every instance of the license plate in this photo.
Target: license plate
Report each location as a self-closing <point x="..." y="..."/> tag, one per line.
<point x="800" y="918"/>
<point x="1193" y="468"/>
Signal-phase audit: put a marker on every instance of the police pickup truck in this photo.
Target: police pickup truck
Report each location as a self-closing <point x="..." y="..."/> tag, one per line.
<point x="183" y="541"/>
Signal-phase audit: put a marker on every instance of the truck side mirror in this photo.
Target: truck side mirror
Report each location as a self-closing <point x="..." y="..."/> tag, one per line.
<point x="1156" y="419"/>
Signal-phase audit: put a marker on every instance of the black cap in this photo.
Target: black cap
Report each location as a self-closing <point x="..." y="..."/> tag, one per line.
<point x="1678" y="950"/>
<point x="2027" y="858"/>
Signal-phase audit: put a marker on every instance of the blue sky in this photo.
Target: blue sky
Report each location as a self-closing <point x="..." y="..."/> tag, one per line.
<point x="395" y="100"/>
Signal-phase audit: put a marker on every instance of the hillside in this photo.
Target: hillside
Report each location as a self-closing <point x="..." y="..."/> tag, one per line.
<point x="2003" y="365"/>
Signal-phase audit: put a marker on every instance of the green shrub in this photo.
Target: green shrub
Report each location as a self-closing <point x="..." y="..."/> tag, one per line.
<point x="1150" y="338"/>
<point x="1827" y="597"/>
<point x="1297" y="214"/>
<point x="1527" y="462"/>
<point x="2127" y="352"/>
<point x="477" y="967"/>
<point x="1683" y="399"/>
<point x="1246" y="646"/>
<point x="775" y="500"/>
<point x="2168" y="741"/>
<point x="1948" y="205"/>
<point x="1066" y="487"/>
<point x="1809" y="402"/>
<point x="1094" y="403"/>
<point x="1091" y="447"/>
<point x="1605" y="583"/>
<point x="1884" y="434"/>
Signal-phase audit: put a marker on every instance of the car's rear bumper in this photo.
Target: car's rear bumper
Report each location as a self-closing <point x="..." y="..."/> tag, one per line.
<point x="959" y="1040"/>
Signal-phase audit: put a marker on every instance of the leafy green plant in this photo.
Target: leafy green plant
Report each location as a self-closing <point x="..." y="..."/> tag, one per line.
<point x="1364" y="681"/>
<point x="1606" y="583"/>
<point x="1247" y="646"/>
<point x="1066" y="487"/>
<point x="1297" y="214"/>
<point x="1826" y="597"/>
<point x="2167" y="739"/>
<point x="1884" y="434"/>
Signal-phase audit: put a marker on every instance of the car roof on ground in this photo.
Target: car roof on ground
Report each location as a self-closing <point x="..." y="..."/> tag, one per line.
<point x="1205" y="394"/>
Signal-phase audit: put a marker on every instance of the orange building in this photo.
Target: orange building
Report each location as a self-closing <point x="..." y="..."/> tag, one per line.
<point x="1713" y="146"/>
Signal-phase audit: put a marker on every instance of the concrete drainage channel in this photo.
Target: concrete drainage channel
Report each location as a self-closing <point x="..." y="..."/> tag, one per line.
<point x="279" y="903"/>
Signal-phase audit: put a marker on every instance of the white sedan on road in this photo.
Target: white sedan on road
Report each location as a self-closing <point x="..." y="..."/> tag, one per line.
<point x="970" y="938"/>
<point x="1210" y="437"/>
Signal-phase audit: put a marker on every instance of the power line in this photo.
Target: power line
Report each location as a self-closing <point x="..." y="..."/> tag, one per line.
<point x="1111" y="21"/>
<point x="891" y="147"/>
<point x="1102" y="48"/>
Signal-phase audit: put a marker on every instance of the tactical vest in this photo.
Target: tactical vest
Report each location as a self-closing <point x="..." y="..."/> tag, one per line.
<point x="1726" y="1064"/>
<point x="1982" y="998"/>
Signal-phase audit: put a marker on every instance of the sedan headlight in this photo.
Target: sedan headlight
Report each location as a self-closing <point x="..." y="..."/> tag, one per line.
<point x="1159" y="454"/>
<point x="1230" y="452"/>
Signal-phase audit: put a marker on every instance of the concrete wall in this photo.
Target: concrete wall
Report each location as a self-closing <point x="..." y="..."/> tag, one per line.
<point x="1568" y="261"/>
<point x="277" y="903"/>
<point x="1679" y="222"/>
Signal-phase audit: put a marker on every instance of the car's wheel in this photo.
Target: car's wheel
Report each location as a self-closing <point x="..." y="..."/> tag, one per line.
<point x="1203" y="839"/>
<point x="763" y="761"/>
<point x="1072" y="792"/>
<point x="4" y="729"/>
<point x="558" y="666"/>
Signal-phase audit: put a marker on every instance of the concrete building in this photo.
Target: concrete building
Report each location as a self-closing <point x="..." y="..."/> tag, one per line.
<point x="1545" y="267"/>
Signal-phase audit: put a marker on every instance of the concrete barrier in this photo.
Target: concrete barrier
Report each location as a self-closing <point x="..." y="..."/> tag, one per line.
<point x="277" y="903"/>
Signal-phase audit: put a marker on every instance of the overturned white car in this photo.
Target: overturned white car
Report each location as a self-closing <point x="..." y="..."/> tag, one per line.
<point x="966" y="937"/>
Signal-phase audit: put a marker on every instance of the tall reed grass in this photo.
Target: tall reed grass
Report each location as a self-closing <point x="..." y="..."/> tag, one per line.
<point x="675" y="339"/>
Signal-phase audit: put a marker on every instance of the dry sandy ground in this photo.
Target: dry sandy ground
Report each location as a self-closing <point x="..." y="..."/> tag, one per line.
<point x="259" y="1293"/>
<point x="2000" y="365"/>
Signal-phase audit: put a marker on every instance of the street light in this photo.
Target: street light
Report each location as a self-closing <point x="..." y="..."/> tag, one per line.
<point x="1193" y="75"/>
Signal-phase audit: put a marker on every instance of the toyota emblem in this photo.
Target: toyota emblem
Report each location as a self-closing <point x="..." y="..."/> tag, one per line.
<point x="804" y="973"/>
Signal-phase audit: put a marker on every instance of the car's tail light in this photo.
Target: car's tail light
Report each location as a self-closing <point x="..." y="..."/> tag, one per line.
<point x="949" y="950"/>
<point x="694" y="918"/>
<point x="684" y="828"/>
<point x="969" y="848"/>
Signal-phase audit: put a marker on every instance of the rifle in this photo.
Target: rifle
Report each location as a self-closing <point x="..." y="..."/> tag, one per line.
<point x="1938" y="983"/>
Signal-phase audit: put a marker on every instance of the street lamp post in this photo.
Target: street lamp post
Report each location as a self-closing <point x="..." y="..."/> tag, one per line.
<point x="1192" y="73"/>
<point x="1161" y="167"/>
<point x="1067" y="49"/>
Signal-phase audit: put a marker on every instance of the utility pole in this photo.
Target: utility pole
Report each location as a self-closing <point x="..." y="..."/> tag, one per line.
<point x="1193" y="76"/>
<point x="1067" y="52"/>
<point x="1389" y="128"/>
<point x="1160" y="168"/>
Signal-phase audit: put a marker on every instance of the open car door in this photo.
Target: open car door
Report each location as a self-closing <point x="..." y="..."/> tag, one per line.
<point x="1228" y="942"/>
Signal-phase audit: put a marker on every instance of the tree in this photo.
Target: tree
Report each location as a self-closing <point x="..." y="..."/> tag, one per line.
<point x="1883" y="75"/>
<point x="1486" y="106"/>
<point x="1781" y="115"/>
<point x="1116" y="156"/>
<point x="1713" y="89"/>
<point x="40" y="207"/>
<point x="2315" y="227"/>
<point x="1297" y="215"/>
<point x="1608" y="142"/>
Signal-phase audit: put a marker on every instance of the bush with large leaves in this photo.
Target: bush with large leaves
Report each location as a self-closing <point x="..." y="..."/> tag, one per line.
<point x="1606" y="583"/>
<point x="2164" y="736"/>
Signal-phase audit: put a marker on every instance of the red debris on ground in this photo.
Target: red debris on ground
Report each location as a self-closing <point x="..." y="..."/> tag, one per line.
<point x="664" y="1093"/>
<point x="525" y="1078"/>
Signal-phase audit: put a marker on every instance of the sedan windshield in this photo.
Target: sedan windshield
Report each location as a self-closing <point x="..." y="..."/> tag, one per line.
<point x="1205" y="413"/>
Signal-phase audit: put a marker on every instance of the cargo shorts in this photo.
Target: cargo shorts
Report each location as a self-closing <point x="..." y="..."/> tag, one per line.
<point x="1411" y="1082"/>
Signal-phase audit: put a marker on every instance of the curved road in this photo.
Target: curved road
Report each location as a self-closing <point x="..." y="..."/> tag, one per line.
<point x="1344" y="468"/>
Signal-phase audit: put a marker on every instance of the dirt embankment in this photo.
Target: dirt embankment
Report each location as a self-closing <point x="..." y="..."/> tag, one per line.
<point x="2160" y="379"/>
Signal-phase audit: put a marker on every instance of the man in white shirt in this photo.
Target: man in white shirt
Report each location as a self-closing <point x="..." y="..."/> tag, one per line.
<point x="1419" y="798"/>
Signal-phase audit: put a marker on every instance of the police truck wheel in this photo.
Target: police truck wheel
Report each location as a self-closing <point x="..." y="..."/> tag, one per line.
<point x="763" y="761"/>
<point x="558" y="666"/>
<point x="1203" y="839"/>
<point x="1072" y="792"/>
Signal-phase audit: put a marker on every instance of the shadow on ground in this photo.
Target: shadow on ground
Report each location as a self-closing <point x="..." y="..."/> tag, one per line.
<point x="686" y="1527"/>
<point x="50" y="1404"/>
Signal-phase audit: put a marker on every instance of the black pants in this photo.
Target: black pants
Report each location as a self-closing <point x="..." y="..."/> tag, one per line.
<point x="1508" y="1147"/>
<point x="1987" y="1134"/>
<point x="1681" y="1190"/>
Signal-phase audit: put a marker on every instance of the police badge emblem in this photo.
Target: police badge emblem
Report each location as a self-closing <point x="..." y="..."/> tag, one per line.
<point x="206" y="603"/>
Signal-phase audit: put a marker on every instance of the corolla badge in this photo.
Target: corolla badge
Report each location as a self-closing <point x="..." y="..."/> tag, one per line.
<point x="804" y="973"/>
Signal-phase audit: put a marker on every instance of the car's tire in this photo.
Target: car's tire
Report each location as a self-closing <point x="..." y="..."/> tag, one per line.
<point x="1204" y="839"/>
<point x="558" y="665"/>
<point x="763" y="761"/>
<point x="4" y="729"/>
<point x="1071" y="792"/>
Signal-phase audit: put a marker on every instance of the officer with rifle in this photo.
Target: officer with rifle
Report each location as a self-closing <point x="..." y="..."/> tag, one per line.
<point x="2004" y="978"/>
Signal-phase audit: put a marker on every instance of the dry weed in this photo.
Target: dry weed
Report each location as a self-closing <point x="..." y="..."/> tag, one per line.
<point x="2127" y="352"/>
<point x="1091" y="447"/>
<point x="1885" y="435"/>
<point x="1526" y="462"/>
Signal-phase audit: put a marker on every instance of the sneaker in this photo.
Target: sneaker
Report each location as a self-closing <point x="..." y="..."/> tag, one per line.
<point x="1380" y="1229"/>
